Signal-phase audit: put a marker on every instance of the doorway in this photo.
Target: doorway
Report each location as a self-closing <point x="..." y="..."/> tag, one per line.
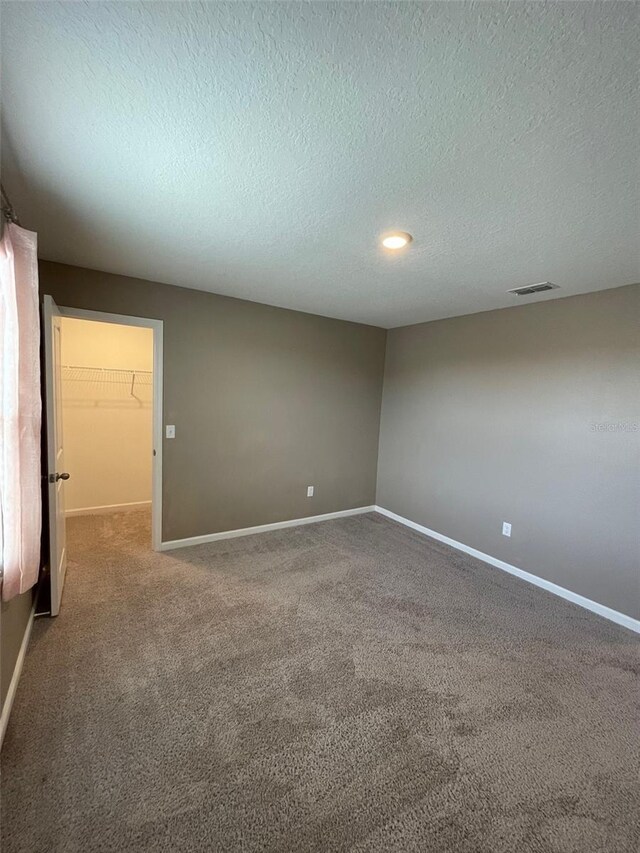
<point x="104" y="418"/>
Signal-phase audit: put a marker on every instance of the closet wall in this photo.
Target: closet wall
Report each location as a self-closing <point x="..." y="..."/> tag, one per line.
<point x="107" y="414"/>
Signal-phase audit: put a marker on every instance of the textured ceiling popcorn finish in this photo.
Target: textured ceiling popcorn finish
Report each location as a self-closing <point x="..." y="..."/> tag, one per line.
<point x="261" y="149"/>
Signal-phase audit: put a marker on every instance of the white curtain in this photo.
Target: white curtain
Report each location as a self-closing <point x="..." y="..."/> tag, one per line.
<point x="20" y="412"/>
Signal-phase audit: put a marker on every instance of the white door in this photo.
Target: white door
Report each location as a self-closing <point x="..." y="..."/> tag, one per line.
<point x="55" y="452"/>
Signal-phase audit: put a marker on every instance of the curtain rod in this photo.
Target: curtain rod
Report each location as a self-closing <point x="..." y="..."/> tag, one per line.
<point x="8" y="213"/>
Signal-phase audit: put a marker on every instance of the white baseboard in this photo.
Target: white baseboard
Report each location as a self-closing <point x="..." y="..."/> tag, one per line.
<point x="580" y="600"/>
<point x="261" y="528"/>
<point x="101" y="510"/>
<point x="15" y="678"/>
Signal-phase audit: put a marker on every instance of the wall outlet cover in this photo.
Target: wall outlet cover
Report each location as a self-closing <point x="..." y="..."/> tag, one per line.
<point x="309" y="491"/>
<point x="506" y="528"/>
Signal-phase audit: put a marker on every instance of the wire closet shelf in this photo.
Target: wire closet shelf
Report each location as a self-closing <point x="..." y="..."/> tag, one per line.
<point x="130" y="378"/>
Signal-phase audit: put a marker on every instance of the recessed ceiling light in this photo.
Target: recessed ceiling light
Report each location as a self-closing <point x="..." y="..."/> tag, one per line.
<point x="397" y="240"/>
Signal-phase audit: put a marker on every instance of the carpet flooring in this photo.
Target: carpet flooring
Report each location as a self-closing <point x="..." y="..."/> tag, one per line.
<point x="344" y="686"/>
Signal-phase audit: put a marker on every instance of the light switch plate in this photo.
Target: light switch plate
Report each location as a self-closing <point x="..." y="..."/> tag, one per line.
<point x="170" y="431"/>
<point x="309" y="491"/>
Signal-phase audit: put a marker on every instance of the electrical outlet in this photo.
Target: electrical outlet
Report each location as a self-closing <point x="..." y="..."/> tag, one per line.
<point x="170" y="431"/>
<point x="309" y="491"/>
<point x="506" y="528"/>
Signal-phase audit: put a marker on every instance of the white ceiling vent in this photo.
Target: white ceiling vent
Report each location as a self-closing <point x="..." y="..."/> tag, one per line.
<point x="533" y="288"/>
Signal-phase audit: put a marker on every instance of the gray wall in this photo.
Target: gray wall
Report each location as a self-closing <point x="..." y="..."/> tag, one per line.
<point x="512" y="415"/>
<point x="14" y="616"/>
<point x="506" y="415"/>
<point x="265" y="402"/>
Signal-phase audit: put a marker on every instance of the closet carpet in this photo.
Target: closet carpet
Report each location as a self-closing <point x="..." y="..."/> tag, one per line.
<point x="344" y="686"/>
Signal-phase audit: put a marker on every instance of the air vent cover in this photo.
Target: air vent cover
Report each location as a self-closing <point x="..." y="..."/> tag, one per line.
<point x="533" y="288"/>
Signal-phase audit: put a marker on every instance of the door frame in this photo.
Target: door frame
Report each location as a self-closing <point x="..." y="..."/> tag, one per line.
<point x="158" y="364"/>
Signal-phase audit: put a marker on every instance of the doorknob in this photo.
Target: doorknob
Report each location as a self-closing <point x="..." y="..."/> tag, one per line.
<point x="53" y="478"/>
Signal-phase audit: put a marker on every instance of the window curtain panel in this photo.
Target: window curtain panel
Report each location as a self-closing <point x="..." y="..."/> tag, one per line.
<point x="21" y="412"/>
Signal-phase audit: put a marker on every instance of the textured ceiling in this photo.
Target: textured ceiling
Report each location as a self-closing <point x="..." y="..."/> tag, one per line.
<point x="258" y="149"/>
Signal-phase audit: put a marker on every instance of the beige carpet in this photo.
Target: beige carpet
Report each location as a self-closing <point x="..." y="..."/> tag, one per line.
<point x="342" y="686"/>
